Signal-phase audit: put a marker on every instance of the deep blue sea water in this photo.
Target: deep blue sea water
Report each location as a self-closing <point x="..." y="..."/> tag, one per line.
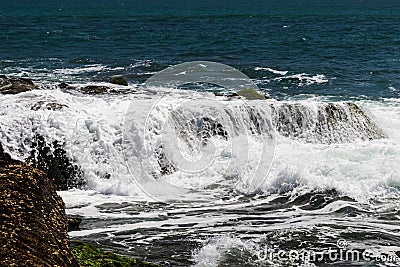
<point x="354" y="44"/>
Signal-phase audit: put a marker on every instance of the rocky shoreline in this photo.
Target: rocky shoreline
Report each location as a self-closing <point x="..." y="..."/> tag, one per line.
<point x="34" y="228"/>
<point x="34" y="224"/>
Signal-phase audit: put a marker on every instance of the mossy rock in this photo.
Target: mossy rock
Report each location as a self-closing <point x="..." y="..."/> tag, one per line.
<point x="73" y="223"/>
<point x="119" y="80"/>
<point x="90" y="256"/>
<point x="251" y="94"/>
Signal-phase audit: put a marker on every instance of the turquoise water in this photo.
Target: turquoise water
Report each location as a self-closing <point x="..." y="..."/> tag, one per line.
<point x="353" y="44"/>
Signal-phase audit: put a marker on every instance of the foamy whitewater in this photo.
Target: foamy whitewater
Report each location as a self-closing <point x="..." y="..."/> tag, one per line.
<point x="315" y="193"/>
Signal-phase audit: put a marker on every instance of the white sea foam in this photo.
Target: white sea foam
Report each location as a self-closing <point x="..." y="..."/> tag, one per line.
<point x="304" y="79"/>
<point x="280" y="72"/>
<point x="92" y="129"/>
<point x="79" y="70"/>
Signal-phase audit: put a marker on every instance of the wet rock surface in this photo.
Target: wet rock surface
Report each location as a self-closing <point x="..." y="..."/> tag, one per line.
<point x="52" y="159"/>
<point x="325" y="123"/>
<point x="33" y="229"/>
<point x="11" y="85"/>
<point x="48" y="105"/>
<point x="119" y="80"/>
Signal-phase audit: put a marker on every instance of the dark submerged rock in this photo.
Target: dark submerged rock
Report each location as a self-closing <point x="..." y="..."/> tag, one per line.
<point x="65" y="86"/>
<point x="48" y="105"/>
<point x="119" y="80"/>
<point x="73" y="223"/>
<point x="52" y="159"/>
<point x="15" y="85"/>
<point x="33" y="229"/>
<point x="3" y="155"/>
<point x="88" y="89"/>
<point x="95" y="89"/>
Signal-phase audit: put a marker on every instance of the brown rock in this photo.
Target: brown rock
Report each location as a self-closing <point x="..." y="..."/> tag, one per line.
<point x="33" y="229"/>
<point x="48" y="105"/>
<point x="15" y="85"/>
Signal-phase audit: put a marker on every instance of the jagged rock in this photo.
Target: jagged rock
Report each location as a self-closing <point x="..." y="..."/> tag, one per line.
<point x="33" y="229"/>
<point x="52" y="159"/>
<point x="65" y="86"/>
<point x="15" y="85"/>
<point x="73" y="223"/>
<point x="324" y="123"/>
<point x="88" y="89"/>
<point x="48" y="105"/>
<point x="95" y="89"/>
<point x="202" y="128"/>
<point x="119" y="80"/>
<point x="92" y="89"/>
<point x="4" y="156"/>
<point x="206" y="127"/>
<point x="166" y="167"/>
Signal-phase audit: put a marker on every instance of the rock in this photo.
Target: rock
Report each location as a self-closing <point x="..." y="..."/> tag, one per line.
<point x="251" y="94"/>
<point x="15" y="85"/>
<point x="90" y="256"/>
<point x="324" y="123"/>
<point x="119" y="80"/>
<point x="94" y="89"/>
<point x="88" y="89"/>
<point x="65" y="86"/>
<point x="48" y="105"/>
<point x="52" y="159"/>
<point x="73" y="223"/>
<point x="33" y="229"/>
<point x="4" y="156"/>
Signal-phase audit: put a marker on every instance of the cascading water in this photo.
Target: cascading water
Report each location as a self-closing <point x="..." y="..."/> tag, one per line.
<point x="331" y="160"/>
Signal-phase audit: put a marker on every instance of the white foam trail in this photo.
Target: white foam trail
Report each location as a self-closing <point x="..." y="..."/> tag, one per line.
<point x="280" y="72"/>
<point x="304" y="79"/>
<point x="80" y="70"/>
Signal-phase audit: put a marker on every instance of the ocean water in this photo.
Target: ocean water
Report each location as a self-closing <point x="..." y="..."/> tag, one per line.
<point x="333" y="185"/>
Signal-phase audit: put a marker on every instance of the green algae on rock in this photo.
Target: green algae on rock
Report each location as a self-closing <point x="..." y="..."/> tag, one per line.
<point x="251" y="94"/>
<point x="90" y="256"/>
<point x="73" y="223"/>
<point x="119" y="80"/>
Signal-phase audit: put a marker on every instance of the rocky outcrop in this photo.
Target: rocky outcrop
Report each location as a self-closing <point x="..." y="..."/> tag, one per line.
<point x="324" y="123"/>
<point x="33" y="229"/>
<point x="51" y="158"/>
<point x="47" y="105"/>
<point x="15" y="85"/>
<point x="89" y="89"/>
<point x="119" y="80"/>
